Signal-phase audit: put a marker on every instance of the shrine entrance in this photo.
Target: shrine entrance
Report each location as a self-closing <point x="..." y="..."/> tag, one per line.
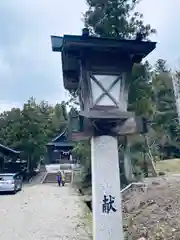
<point x="60" y="150"/>
<point x="62" y="156"/>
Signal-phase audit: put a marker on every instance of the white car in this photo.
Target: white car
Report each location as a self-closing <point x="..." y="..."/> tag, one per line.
<point x="10" y="182"/>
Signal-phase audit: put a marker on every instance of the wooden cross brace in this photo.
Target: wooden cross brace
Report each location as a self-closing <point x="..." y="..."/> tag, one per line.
<point x="106" y="91"/>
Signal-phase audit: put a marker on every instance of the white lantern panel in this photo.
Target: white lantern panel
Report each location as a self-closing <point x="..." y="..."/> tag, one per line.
<point x="106" y="81"/>
<point x="96" y="90"/>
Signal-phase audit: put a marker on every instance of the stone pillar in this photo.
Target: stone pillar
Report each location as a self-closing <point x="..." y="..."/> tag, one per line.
<point x="106" y="204"/>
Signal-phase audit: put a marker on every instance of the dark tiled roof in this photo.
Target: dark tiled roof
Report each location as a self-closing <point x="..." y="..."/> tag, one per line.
<point x="62" y="144"/>
<point x="7" y="149"/>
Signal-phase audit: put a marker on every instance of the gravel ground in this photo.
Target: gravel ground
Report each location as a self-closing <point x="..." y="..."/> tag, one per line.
<point x="154" y="213"/>
<point x="42" y="212"/>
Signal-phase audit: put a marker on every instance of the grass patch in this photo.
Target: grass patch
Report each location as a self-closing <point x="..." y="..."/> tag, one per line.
<point x="170" y="165"/>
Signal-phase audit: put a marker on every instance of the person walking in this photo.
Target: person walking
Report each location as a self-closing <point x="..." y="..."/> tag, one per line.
<point x="59" y="178"/>
<point x="63" y="178"/>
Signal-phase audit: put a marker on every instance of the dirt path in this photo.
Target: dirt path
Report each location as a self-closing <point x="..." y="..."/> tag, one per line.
<point x="42" y="212"/>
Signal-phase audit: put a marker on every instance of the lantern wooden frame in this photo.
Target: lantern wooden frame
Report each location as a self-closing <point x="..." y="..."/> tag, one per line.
<point x="85" y="57"/>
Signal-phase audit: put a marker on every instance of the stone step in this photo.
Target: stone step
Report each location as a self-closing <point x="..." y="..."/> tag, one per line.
<point x="38" y="178"/>
<point x="51" y="177"/>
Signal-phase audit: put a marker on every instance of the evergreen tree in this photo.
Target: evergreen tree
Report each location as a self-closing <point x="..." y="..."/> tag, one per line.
<point x="116" y="18"/>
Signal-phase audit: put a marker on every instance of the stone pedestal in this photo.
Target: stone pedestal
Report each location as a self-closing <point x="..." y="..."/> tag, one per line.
<point x="106" y="196"/>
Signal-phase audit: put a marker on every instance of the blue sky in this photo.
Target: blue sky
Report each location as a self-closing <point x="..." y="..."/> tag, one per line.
<point x="28" y="67"/>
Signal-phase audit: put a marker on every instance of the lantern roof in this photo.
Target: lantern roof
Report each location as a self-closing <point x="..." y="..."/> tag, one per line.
<point x="73" y="47"/>
<point x="80" y="42"/>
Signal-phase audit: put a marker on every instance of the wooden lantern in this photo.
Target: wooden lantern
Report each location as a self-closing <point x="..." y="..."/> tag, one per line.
<point x="99" y="70"/>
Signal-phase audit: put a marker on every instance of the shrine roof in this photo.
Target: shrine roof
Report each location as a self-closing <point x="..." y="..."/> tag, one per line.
<point x="61" y="144"/>
<point x="7" y="150"/>
<point x="61" y="140"/>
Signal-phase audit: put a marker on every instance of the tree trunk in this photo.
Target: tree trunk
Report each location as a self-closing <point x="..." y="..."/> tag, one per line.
<point x="151" y="160"/>
<point x="127" y="162"/>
